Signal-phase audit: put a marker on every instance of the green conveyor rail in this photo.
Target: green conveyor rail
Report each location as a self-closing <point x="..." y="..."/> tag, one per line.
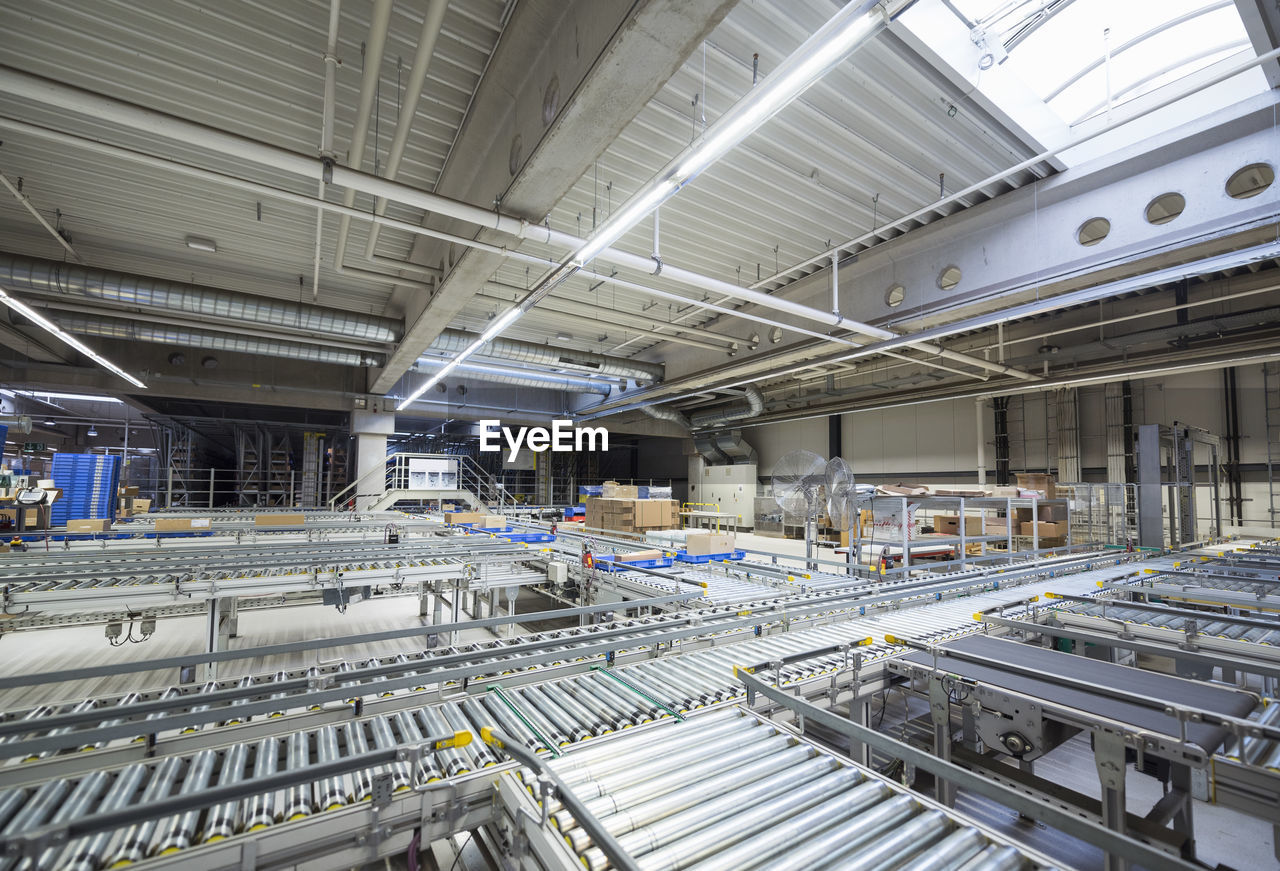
<point x="550" y="745"/>
<point x="641" y="693"/>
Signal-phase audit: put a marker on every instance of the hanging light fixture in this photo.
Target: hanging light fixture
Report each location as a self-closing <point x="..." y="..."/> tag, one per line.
<point x="849" y="28"/>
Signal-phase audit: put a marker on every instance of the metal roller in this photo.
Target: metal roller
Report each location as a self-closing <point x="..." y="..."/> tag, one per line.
<point x="280" y="676"/>
<point x="355" y="742"/>
<point x="460" y="719"/>
<point x="453" y="760"/>
<point x="298" y="802"/>
<point x="429" y="769"/>
<point x="701" y="841"/>
<point x="583" y="764"/>
<point x="331" y="792"/>
<point x="263" y="810"/>
<point x="903" y="842"/>
<point x="80" y="708"/>
<point x="243" y="684"/>
<point x="632" y="807"/>
<point x="123" y="702"/>
<point x="82" y="800"/>
<point x="595" y="723"/>
<point x="655" y="833"/>
<point x="951" y="853"/>
<point x="135" y="841"/>
<point x="10" y="801"/>
<point x="997" y="858"/>
<point x="564" y="725"/>
<point x="89" y="854"/>
<point x="526" y="711"/>
<point x="604" y="780"/>
<point x="625" y="699"/>
<point x="382" y="739"/>
<point x="223" y="819"/>
<point x="209" y="687"/>
<point x="510" y="724"/>
<point x="600" y="711"/>
<point x="673" y="699"/>
<point x="785" y="833"/>
<point x="179" y="832"/>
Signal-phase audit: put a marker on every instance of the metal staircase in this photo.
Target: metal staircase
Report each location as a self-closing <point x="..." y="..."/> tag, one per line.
<point x="460" y="480"/>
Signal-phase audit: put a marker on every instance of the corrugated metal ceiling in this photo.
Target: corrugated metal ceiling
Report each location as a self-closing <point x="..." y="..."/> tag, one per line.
<point x="877" y="127"/>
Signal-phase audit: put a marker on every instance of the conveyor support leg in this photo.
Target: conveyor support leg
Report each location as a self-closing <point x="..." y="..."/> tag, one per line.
<point x="1109" y="757"/>
<point x="220" y="627"/>
<point x="940" y="709"/>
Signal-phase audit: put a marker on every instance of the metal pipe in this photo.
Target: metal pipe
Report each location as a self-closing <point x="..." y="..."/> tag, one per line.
<point x="261" y="811"/>
<point x="66" y="280"/>
<point x="379" y="22"/>
<point x="26" y="85"/>
<point x="35" y="213"/>
<point x="432" y="21"/>
<point x="519" y="378"/>
<point x="326" y="128"/>
<point x="902" y="842"/>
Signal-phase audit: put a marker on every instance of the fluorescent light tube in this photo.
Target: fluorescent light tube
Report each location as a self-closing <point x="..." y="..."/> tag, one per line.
<point x="48" y="325"/>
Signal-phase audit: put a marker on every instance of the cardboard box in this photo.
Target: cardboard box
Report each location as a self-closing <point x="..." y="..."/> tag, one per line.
<point x="275" y="521"/>
<point x="704" y="543"/>
<point x="492" y="521"/>
<point x="141" y="506"/>
<point x="456" y="518"/>
<point x="96" y="525"/>
<point x="614" y="490"/>
<point x="37" y="517"/>
<point x="1037" y="481"/>
<point x="1045" y="529"/>
<point x="129" y="492"/>
<point x="1004" y="492"/>
<point x="638" y="556"/>
<point x="183" y="524"/>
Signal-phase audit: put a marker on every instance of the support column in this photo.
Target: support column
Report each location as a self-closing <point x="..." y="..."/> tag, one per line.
<point x="979" y="407"/>
<point x="371" y="430"/>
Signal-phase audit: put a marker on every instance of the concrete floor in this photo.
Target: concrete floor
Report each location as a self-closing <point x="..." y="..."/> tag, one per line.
<point x="68" y="647"/>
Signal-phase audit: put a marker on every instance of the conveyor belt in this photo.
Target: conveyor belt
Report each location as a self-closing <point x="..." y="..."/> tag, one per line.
<point x="555" y="715"/>
<point x="1051" y="664"/>
<point x="726" y="791"/>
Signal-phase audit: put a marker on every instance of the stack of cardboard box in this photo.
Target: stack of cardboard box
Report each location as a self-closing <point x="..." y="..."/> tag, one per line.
<point x="627" y="514"/>
<point x="974" y="525"/>
<point x="1049" y="521"/>
<point x="125" y="498"/>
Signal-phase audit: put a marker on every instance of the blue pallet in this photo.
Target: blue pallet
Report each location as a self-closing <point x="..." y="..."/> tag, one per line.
<point x="574" y="511"/>
<point x="608" y="563"/>
<point x="177" y="534"/>
<point x="529" y="537"/>
<point x="699" y="558"/>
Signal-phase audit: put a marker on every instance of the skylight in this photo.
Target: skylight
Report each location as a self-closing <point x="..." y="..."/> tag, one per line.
<point x="1087" y="57"/>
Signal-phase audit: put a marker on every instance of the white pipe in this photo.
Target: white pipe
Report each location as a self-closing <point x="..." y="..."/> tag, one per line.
<point x="432" y="21"/>
<point x="36" y="88"/>
<point x="379" y="23"/>
<point x="835" y="284"/>
<point x="326" y="128"/>
<point x="35" y="213"/>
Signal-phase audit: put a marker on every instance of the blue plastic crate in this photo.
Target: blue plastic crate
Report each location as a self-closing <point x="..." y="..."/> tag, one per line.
<point x="529" y="537"/>
<point x="608" y="563"/>
<point x="700" y="558"/>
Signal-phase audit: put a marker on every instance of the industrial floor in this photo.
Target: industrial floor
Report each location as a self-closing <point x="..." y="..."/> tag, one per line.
<point x="68" y="647"/>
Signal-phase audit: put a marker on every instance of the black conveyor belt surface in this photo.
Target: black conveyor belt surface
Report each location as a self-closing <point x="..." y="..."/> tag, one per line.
<point x="1107" y="676"/>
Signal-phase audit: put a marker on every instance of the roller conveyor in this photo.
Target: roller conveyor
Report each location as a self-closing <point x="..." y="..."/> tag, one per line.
<point x="557" y="715"/>
<point x="727" y="791"/>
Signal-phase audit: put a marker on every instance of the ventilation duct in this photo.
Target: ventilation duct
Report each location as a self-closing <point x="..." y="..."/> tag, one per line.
<point x="118" y="328"/>
<point x="706" y="447"/>
<point x="735" y="449"/>
<point x="452" y="341"/>
<point x="518" y="378"/>
<point x="659" y="412"/>
<point x="83" y="283"/>
<point x="716" y="417"/>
